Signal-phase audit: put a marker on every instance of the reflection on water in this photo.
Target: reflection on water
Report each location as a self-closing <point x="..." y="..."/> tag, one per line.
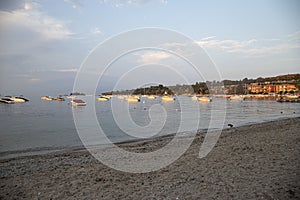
<point x="42" y="125"/>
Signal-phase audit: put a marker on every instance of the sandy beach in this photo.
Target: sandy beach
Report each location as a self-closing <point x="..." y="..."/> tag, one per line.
<point x="259" y="161"/>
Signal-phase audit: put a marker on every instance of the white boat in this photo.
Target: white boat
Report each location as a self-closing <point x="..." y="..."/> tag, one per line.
<point x="78" y="102"/>
<point x="47" y="98"/>
<point x="133" y="99"/>
<point x="103" y="98"/>
<point x="289" y="96"/>
<point x="204" y="99"/>
<point x="236" y="98"/>
<point x="6" y="100"/>
<point x="151" y="97"/>
<point x="195" y="97"/>
<point x="59" y="99"/>
<point x="19" y="99"/>
<point x="167" y="98"/>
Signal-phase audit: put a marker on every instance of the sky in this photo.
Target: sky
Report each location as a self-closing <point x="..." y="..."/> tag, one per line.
<point x="44" y="43"/>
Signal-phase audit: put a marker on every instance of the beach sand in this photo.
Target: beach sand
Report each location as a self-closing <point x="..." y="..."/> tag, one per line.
<point x="259" y="161"/>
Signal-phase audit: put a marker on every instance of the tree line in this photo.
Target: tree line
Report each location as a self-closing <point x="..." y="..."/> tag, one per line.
<point x="207" y="87"/>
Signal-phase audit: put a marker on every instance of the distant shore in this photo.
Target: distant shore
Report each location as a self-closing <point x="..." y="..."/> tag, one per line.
<point x="259" y="161"/>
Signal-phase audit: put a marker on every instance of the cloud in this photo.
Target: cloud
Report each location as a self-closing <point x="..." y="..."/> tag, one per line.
<point x="294" y="36"/>
<point x="122" y="3"/>
<point x="251" y="47"/>
<point x="72" y="70"/>
<point x="96" y="31"/>
<point x="34" y="79"/>
<point x="208" y="38"/>
<point x="75" y="3"/>
<point x="30" y="5"/>
<point x="267" y="50"/>
<point x="224" y="44"/>
<point x="30" y="19"/>
<point x="153" y="57"/>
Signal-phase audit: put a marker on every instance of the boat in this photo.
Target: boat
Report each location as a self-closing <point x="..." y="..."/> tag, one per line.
<point x="70" y="97"/>
<point x="167" y="98"/>
<point x="59" y="99"/>
<point x="151" y="97"/>
<point x="204" y="99"/>
<point x="120" y="96"/>
<point x="46" y="98"/>
<point x="282" y="99"/>
<point x="6" y="100"/>
<point x="19" y="99"/>
<point x="103" y="98"/>
<point x="74" y="94"/>
<point x="133" y="99"/>
<point x="78" y="102"/>
<point x="236" y="98"/>
<point x="195" y="97"/>
<point x="289" y="96"/>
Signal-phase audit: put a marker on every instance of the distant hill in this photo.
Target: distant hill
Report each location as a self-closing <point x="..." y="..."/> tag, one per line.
<point x="287" y="77"/>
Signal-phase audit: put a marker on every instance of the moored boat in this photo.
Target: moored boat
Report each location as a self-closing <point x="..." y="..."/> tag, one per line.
<point x="103" y="98"/>
<point x="237" y="98"/>
<point x="282" y="99"/>
<point x="59" y="99"/>
<point x="204" y="99"/>
<point x="46" y="98"/>
<point x="6" y="100"/>
<point x="133" y="99"/>
<point x="195" y="97"/>
<point x="120" y="96"/>
<point x="19" y="99"/>
<point x="151" y="97"/>
<point x="167" y="98"/>
<point x="289" y="96"/>
<point x="78" y="102"/>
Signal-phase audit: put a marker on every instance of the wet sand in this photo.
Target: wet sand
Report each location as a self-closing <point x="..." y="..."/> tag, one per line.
<point x="259" y="161"/>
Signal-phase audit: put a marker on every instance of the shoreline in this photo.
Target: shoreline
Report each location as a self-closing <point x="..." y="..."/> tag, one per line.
<point x="14" y="154"/>
<point x="258" y="161"/>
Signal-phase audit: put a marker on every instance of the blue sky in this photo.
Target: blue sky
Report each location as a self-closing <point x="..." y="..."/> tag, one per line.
<point x="43" y="43"/>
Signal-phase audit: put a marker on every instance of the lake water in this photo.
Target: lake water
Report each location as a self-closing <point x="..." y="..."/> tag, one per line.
<point x="40" y="126"/>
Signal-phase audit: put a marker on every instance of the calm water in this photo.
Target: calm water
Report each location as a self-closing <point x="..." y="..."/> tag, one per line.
<point x="39" y="126"/>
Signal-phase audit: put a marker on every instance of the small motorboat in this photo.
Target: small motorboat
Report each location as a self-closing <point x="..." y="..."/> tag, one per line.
<point x="289" y="96"/>
<point x="19" y="99"/>
<point x="195" y="97"/>
<point x="167" y="98"/>
<point x="204" y="99"/>
<point x="46" y="98"/>
<point x="133" y="99"/>
<point x="282" y="99"/>
<point x="237" y="98"/>
<point x="78" y="102"/>
<point x="6" y="100"/>
<point x="151" y="97"/>
<point x="103" y="98"/>
<point x="120" y="96"/>
<point x="59" y="99"/>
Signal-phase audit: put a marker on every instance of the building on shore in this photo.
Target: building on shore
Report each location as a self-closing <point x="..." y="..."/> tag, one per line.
<point x="276" y="88"/>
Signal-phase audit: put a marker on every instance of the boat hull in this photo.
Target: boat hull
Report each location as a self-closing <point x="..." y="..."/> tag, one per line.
<point x="17" y="100"/>
<point x="133" y="99"/>
<point x="6" y="101"/>
<point x="167" y="98"/>
<point x="204" y="99"/>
